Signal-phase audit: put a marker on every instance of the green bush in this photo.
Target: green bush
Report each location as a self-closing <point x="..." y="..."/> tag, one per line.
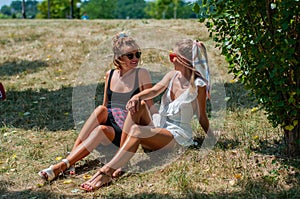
<point x="260" y="40"/>
<point x="3" y="16"/>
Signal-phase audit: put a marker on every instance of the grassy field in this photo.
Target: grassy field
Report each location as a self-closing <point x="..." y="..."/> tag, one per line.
<point x="49" y="66"/>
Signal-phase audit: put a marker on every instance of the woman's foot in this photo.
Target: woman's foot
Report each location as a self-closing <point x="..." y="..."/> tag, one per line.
<point x="70" y="171"/>
<point x="117" y="173"/>
<point x="53" y="171"/>
<point x="100" y="179"/>
<point x="47" y="174"/>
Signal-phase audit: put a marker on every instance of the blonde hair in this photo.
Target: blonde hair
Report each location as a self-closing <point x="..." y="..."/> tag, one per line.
<point x="183" y="50"/>
<point x="121" y="44"/>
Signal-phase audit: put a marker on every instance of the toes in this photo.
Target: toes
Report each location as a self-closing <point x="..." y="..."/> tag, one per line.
<point x="99" y="180"/>
<point x="117" y="173"/>
<point x="86" y="187"/>
<point x="43" y="175"/>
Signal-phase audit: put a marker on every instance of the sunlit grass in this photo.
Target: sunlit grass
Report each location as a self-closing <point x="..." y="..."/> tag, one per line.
<point x="39" y="67"/>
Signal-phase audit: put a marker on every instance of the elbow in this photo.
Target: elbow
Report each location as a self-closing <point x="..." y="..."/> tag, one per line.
<point x="204" y="122"/>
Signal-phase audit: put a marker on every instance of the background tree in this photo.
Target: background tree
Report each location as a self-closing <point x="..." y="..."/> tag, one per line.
<point x="100" y="9"/>
<point x="167" y="9"/>
<point x="23" y="9"/>
<point x="56" y="9"/>
<point x="175" y="6"/>
<point x="133" y="9"/>
<point x="20" y="9"/>
<point x="6" y="10"/>
<point x="71" y="9"/>
<point x="260" y="40"/>
<point x="117" y="9"/>
<point x="49" y="9"/>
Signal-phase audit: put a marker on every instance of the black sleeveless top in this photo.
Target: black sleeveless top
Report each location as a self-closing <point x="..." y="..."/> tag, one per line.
<point x="119" y="100"/>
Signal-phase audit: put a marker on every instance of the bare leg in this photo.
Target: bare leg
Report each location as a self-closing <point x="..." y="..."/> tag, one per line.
<point x="100" y="135"/>
<point x="99" y="116"/>
<point x="148" y="136"/>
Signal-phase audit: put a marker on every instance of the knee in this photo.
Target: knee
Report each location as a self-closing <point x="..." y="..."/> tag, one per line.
<point x="143" y="105"/>
<point x="99" y="130"/>
<point x="135" y="131"/>
<point x="100" y="109"/>
<point x="100" y="112"/>
<point x="102" y="134"/>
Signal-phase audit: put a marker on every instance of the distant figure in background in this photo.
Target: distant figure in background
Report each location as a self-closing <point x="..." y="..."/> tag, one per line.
<point x="2" y="92"/>
<point x="85" y="16"/>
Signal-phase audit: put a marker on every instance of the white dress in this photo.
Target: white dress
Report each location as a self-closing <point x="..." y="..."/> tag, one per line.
<point x="176" y="116"/>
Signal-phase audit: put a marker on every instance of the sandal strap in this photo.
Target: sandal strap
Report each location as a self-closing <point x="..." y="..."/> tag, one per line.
<point x="49" y="174"/>
<point x="105" y="174"/>
<point x="67" y="162"/>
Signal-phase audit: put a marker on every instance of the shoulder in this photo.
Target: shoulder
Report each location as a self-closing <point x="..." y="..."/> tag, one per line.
<point x="171" y="74"/>
<point x="107" y="74"/>
<point x="143" y="74"/>
<point x="143" y="71"/>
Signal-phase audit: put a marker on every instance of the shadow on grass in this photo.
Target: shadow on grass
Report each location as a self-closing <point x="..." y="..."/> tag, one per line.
<point x="253" y="189"/>
<point x="52" y="110"/>
<point x="238" y="97"/>
<point x="41" y="109"/>
<point x="21" y="67"/>
<point x="277" y="149"/>
<point x="4" y="193"/>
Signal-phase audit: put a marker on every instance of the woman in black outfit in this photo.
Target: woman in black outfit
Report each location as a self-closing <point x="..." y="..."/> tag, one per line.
<point x="104" y="126"/>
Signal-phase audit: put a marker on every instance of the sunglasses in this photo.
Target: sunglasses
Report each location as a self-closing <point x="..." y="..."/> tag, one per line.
<point x="172" y="56"/>
<point x="131" y="55"/>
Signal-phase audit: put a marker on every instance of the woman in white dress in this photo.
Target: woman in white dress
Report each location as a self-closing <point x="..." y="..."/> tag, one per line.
<point x="187" y="88"/>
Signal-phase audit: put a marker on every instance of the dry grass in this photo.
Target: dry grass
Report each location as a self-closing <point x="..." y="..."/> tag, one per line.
<point x="42" y="62"/>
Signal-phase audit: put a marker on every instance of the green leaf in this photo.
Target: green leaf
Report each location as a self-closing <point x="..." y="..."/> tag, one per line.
<point x="196" y="8"/>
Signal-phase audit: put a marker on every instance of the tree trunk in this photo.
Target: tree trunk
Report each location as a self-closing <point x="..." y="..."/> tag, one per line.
<point x="72" y="9"/>
<point x="49" y="6"/>
<point x="175" y="2"/>
<point x="175" y="13"/>
<point x="23" y="9"/>
<point x="292" y="141"/>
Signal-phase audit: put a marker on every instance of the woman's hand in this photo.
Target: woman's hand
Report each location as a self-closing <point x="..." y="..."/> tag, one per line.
<point x="133" y="104"/>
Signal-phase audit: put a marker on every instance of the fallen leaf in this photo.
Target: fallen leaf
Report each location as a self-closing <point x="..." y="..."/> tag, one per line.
<point x="68" y="181"/>
<point x="39" y="185"/>
<point x="58" y="158"/>
<point x="232" y="182"/>
<point x="87" y="176"/>
<point x="254" y="109"/>
<point x="238" y="176"/>
<point x="255" y="137"/>
<point x="74" y="190"/>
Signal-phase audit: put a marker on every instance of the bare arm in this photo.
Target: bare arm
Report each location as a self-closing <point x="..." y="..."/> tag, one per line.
<point x="149" y="93"/>
<point x="105" y="100"/>
<point x="201" y="113"/>
<point x="146" y="83"/>
<point x="156" y="89"/>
